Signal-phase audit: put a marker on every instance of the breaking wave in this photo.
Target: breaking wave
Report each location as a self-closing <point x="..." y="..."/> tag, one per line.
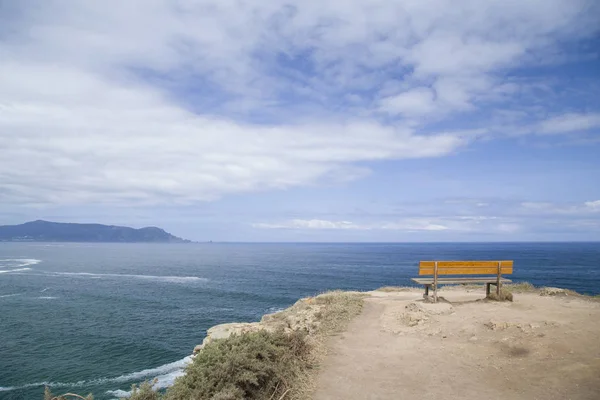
<point x="171" y="279"/>
<point x="8" y="265"/>
<point x="14" y="270"/>
<point x="18" y="262"/>
<point x="164" y="376"/>
<point x="10" y="295"/>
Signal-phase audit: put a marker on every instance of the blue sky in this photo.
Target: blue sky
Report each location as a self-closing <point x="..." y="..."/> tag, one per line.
<point x="383" y="120"/>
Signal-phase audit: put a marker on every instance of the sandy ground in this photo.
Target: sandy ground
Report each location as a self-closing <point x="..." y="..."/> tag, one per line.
<point x="402" y="348"/>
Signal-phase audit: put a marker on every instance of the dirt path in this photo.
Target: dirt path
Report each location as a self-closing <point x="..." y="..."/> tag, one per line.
<point x="401" y="348"/>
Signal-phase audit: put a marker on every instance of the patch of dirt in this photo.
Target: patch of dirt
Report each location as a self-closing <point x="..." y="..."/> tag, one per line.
<point x="538" y="347"/>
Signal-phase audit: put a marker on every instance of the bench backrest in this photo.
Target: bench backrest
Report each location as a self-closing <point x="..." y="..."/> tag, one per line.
<point x="503" y="267"/>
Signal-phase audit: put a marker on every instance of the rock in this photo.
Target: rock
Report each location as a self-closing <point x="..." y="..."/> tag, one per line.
<point x="198" y="348"/>
<point x="414" y="318"/>
<point x="419" y="313"/>
<point x="224" y="331"/>
<point x="497" y="325"/>
<point x="303" y="315"/>
<point x="552" y="291"/>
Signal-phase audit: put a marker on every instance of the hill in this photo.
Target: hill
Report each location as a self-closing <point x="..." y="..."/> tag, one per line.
<point x="45" y="231"/>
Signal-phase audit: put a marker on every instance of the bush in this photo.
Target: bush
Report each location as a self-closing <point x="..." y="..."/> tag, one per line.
<point x="144" y="392"/>
<point x="259" y="365"/>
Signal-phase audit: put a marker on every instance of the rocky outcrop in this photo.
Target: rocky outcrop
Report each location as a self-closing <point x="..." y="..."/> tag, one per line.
<point x="303" y="315"/>
<point x="224" y="331"/>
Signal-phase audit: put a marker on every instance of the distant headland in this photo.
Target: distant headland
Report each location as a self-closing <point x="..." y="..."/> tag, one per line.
<point x="46" y="231"/>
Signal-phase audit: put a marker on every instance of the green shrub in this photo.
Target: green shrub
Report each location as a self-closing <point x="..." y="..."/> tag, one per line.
<point x="259" y="365"/>
<point x="144" y="392"/>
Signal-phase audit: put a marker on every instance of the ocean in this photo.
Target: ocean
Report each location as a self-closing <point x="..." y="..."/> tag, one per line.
<point x="99" y="317"/>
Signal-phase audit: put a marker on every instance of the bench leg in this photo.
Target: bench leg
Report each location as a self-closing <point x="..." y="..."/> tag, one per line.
<point x="426" y="295"/>
<point x="487" y="289"/>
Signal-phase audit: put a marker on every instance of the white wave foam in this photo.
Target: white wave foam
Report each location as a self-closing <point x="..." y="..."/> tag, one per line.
<point x="274" y="310"/>
<point x="43" y="290"/>
<point x="47" y="297"/>
<point x="29" y="385"/>
<point x="45" y="383"/>
<point x="172" y="279"/>
<point x="18" y="262"/>
<point x="10" y="295"/>
<point x="165" y="375"/>
<point x="155" y="372"/>
<point x="14" y="270"/>
<point x="119" y="394"/>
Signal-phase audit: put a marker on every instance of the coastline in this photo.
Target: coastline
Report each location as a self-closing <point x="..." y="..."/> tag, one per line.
<point x="304" y="315"/>
<point x="398" y="314"/>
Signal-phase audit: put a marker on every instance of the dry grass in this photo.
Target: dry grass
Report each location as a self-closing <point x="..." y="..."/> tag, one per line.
<point x="340" y="308"/>
<point x="392" y="289"/>
<point x="505" y="295"/>
<point x="520" y="287"/>
<point x="67" y="396"/>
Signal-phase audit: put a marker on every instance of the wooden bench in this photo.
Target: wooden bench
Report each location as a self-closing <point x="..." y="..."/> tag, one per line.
<point x="460" y="268"/>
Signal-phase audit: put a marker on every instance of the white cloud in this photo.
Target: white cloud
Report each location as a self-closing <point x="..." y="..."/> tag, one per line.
<point x="531" y="205"/>
<point x="561" y="209"/>
<point x="101" y="142"/>
<point x="309" y="224"/>
<point x="157" y="101"/>
<point x="571" y="122"/>
<point x="594" y="205"/>
<point x="415" y="102"/>
<point x="509" y="228"/>
<point x="413" y="224"/>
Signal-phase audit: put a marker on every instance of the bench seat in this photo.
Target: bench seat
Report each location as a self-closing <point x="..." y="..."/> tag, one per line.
<point x="457" y="281"/>
<point x="457" y="271"/>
